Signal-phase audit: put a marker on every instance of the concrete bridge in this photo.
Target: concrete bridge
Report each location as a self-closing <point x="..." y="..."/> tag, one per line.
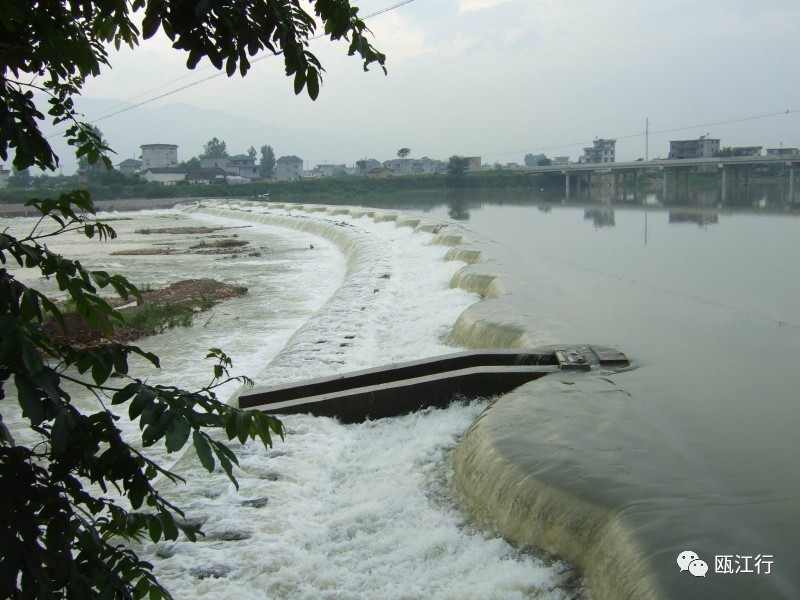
<point x="730" y="169"/>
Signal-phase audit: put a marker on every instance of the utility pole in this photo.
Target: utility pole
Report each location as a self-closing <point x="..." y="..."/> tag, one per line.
<point x="647" y="138"/>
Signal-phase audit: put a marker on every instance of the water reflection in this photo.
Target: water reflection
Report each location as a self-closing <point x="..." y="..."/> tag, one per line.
<point x="702" y="453"/>
<point x="603" y="217"/>
<point x="599" y="202"/>
<point x="700" y="219"/>
<point x="458" y="206"/>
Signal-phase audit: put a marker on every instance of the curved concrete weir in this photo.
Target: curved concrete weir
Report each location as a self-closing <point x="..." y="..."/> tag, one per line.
<point x="518" y="473"/>
<point x="577" y="465"/>
<point x="495" y="484"/>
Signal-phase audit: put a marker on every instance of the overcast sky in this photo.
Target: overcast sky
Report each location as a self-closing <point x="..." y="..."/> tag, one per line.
<point x="492" y="78"/>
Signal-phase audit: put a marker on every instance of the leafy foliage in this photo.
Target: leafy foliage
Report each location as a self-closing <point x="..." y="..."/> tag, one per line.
<point x="403" y="152"/>
<point x="456" y="170"/>
<point x="266" y="168"/>
<point x="61" y="44"/>
<point x="191" y="165"/>
<point x="537" y="160"/>
<point x="215" y="148"/>
<point x="83" y="161"/>
<point x="20" y="179"/>
<point x="59" y="538"/>
<point x="729" y="151"/>
<point x="56" y="535"/>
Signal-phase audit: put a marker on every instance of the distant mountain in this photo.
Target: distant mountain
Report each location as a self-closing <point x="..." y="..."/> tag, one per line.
<point x="190" y="127"/>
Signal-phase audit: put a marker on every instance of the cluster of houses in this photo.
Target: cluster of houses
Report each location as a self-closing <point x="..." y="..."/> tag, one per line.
<point x="603" y="151"/>
<point x="159" y="163"/>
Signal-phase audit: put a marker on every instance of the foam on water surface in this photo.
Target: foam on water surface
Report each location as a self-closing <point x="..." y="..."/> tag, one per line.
<point x="335" y="511"/>
<point x="361" y="511"/>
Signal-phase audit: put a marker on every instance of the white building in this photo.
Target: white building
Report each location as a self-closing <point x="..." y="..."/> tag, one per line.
<point x="783" y="151"/>
<point x="415" y="166"/>
<point x="702" y="147"/>
<point x="129" y="166"/>
<point x="602" y="151"/>
<point x="242" y="165"/>
<point x="214" y="162"/>
<point x="288" y="168"/>
<point x="159" y="156"/>
<point x="746" y="150"/>
<point x="165" y="175"/>
<point x="327" y="170"/>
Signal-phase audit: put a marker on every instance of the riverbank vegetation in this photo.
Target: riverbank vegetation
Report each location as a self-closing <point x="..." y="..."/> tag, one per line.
<point x="176" y="305"/>
<point x="352" y="188"/>
<point x="132" y="186"/>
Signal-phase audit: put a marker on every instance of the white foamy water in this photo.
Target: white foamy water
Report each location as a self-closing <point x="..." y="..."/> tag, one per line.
<point x="335" y="511"/>
<point x="359" y="511"/>
<point x="286" y="284"/>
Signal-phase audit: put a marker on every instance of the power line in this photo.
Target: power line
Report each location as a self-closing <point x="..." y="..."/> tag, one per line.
<point x="651" y="132"/>
<point x="127" y="107"/>
<point x="386" y="9"/>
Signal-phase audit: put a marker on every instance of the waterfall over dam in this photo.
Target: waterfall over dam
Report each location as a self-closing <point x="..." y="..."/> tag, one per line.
<point x="495" y="482"/>
<point x="575" y="465"/>
<point x="592" y="479"/>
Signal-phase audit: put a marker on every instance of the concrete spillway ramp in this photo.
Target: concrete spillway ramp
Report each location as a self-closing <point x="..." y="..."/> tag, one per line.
<point x="402" y="388"/>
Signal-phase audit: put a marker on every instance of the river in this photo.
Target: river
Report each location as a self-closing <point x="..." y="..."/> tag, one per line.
<point x="694" y="448"/>
<point x="361" y="511"/>
<point x="691" y="449"/>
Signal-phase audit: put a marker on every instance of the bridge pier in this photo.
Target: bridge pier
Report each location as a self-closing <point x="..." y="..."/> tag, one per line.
<point x="791" y="183"/>
<point x="723" y="184"/>
<point x="677" y="177"/>
<point x="567" y="184"/>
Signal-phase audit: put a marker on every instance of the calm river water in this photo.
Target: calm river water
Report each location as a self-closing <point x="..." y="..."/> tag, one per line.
<point x="702" y="454"/>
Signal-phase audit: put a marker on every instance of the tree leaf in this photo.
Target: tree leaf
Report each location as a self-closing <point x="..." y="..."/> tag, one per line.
<point x="155" y="431"/>
<point x="243" y="425"/>
<point x="125" y="393"/>
<point x="312" y="82"/>
<point x="101" y="367"/>
<point x="177" y="434"/>
<point x="203" y="450"/>
<point x="143" y="399"/>
<point x="155" y="530"/>
<point x="299" y="81"/>
<point x="63" y="430"/>
<point x="29" y="400"/>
